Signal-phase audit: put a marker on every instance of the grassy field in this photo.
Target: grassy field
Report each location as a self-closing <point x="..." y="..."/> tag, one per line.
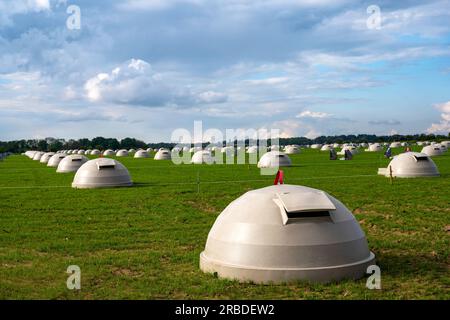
<point x="144" y="242"/>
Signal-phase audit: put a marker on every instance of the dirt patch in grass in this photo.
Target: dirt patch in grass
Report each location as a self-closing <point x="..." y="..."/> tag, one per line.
<point x="202" y="206"/>
<point x="127" y="272"/>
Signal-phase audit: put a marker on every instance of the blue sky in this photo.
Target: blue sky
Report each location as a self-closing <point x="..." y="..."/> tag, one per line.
<point x="144" y="68"/>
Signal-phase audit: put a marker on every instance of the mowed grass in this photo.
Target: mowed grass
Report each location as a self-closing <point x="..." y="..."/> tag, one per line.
<point x="144" y="242"/>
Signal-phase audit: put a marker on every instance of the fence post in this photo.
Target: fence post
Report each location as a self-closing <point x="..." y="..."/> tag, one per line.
<point x="198" y="181"/>
<point x="390" y="175"/>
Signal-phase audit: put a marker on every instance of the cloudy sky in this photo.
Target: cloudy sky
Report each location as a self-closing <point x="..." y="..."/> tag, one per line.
<point x="142" y="68"/>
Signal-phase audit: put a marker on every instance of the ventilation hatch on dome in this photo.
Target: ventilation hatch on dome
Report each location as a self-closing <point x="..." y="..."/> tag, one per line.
<point x="106" y="164"/>
<point x="303" y="205"/>
<point x="421" y="158"/>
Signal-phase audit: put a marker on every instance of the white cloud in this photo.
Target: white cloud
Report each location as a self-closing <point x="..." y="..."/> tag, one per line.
<point x="9" y="8"/>
<point x="212" y="97"/>
<point x="393" y="132"/>
<point x="136" y="83"/>
<point x="443" y="127"/>
<point x="269" y="81"/>
<point x="312" y="114"/>
<point x="312" y="134"/>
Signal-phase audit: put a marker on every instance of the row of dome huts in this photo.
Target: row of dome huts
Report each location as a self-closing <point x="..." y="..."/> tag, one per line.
<point x="408" y="164"/>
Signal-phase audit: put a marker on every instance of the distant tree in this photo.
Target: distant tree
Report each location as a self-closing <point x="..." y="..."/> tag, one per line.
<point x="98" y="143"/>
<point x="55" y="146"/>
<point x="129" y="143"/>
<point x="42" y="145"/>
<point x="84" y="143"/>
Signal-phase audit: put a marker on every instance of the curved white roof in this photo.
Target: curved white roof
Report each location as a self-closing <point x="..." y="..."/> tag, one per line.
<point x="376" y="147"/>
<point x="202" y="156"/>
<point x="81" y="151"/>
<point x="291" y="150"/>
<point x="410" y="165"/>
<point x="316" y="146"/>
<point x="46" y="156"/>
<point x="71" y="163"/>
<point x="252" y="149"/>
<point x="350" y="148"/>
<point x="433" y="150"/>
<point x="122" y="153"/>
<point x="102" y="173"/>
<point x="274" y="159"/>
<point x="326" y="147"/>
<point x="30" y="154"/>
<point x="141" y="154"/>
<point x="229" y="150"/>
<point x="37" y="155"/>
<point x="163" y="154"/>
<point x="56" y="159"/>
<point x="284" y="233"/>
<point x="131" y="151"/>
<point x="395" y="145"/>
<point x="274" y="148"/>
<point x="109" y="153"/>
<point x="95" y="152"/>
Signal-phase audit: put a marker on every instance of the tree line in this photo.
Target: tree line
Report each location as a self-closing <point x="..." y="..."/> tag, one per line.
<point x="101" y="143"/>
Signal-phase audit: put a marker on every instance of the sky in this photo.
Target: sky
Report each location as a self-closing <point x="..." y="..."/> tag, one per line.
<point x="142" y="69"/>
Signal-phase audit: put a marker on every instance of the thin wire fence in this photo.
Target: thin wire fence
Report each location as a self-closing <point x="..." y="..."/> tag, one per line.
<point x="200" y="182"/>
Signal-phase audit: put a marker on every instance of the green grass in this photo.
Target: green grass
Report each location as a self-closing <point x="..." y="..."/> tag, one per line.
<point x="144" y="242"/>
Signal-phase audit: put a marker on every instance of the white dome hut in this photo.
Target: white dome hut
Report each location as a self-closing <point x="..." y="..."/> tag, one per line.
<point x="275" y="148"/>
<point x="109" y="153"/>
<point x="46" y="156"/>
<point x="102" y="173"/>
<point x="274" y="159"/>
<point x="71" y="163"/>
<point x="375" y="147"/>
<point x="37" y="155"/>
<point x="286" y="233"/>
<point x="202" y="156"/>
<point x="95" y="152"/>
<point x="350" y="148"/>
<point x="30" y="154"/>
<point x="122" y="153"/>
<point x="141" y="154"/>
<point x="252" y="149"/>
<point x="410" y="165"/>
<point x="163" y="154"/>
<point x="56" y="159"/>
<point x="433" y="150"/>
<point x="292" y="150"/>
<point x="229" y="151"/>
